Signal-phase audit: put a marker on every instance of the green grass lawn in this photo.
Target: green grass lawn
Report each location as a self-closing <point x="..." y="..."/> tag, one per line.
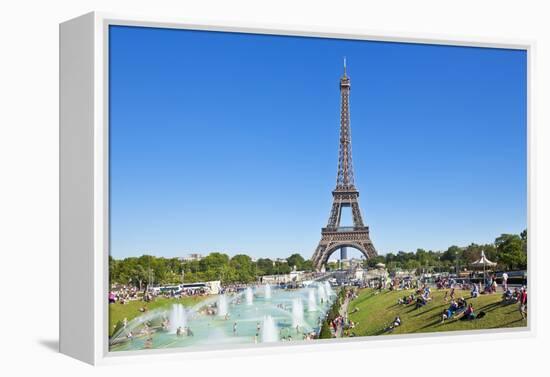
<point x="376" y="311"/>
<point x="117" y="312"/>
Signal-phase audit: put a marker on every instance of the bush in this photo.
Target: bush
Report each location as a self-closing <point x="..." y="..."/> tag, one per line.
<point x="332" y="313"/>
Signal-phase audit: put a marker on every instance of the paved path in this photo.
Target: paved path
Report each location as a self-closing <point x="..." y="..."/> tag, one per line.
<point x="344" y="314"/>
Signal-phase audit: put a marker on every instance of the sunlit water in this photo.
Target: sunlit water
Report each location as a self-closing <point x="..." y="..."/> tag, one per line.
<point x="247" y="317"/>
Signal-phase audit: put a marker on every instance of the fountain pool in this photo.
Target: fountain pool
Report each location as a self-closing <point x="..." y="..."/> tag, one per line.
<point x="228" y="319"/>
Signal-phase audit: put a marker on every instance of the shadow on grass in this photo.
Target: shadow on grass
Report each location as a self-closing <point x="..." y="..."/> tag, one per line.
<point x="508" y="324"/>
<point x="491" y="307"/>
<point x="384" y="331"/>
<point x="439" y="307"/>
<point x="434" y="324"/>
<point x="419" y="310"/>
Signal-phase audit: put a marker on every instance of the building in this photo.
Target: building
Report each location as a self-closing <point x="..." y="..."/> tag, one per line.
<point x="293" y="276"/>
<point x="192" y="257"/>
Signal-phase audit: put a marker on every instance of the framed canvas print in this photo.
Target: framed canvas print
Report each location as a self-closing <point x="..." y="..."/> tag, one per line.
<point x="210" y="188"/>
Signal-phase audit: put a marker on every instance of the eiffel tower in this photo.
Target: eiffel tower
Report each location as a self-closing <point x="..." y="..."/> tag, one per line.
<point x="333" y="236"/>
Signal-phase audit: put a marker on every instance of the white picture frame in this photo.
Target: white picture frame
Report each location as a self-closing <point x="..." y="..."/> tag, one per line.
<point x="84" y="195"/>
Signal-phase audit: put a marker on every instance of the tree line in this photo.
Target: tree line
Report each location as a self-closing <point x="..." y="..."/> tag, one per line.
<point x="509" y="251"/>
<point x="146" y="269"/>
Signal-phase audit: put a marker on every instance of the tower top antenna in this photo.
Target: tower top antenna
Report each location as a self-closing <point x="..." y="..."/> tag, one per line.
<point x="345" y="73"/>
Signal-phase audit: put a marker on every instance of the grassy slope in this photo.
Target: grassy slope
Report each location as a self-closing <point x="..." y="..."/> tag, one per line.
<point x="376" y="311"/>
<point x="118" y="312"/>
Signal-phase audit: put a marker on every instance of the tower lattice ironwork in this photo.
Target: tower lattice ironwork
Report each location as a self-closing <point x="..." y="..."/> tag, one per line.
<point x="334" y="236"/>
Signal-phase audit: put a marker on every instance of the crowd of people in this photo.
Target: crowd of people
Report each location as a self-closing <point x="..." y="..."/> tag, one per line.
<point x="122" y="294"/>
<point x="420" y="297"/>
<point x="519" y="296"/>
<point x="458" y="308"/>
<point x="417" y="294"/>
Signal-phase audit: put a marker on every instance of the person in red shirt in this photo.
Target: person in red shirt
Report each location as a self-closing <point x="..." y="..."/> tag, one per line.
<point x="523" y="303"/>
<point x="469" y="312"/>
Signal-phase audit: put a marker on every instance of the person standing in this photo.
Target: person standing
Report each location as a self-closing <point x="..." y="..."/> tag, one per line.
<point x="523" y="303"/>
<point x="505" y="281"/>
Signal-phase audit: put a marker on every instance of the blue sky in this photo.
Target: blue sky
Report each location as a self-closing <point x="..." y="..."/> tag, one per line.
<point x="229" y="142"/>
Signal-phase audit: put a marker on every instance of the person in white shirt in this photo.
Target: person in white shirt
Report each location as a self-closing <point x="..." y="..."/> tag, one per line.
<point x="505" y="281"/>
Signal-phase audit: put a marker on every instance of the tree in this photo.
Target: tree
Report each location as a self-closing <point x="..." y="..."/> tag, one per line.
<point x="490" y="252"/>
<point x="371" y="262"/>
<point x="308" y="265"/>
<point x="282" y="267"/>
<point x="389" y="258"/>
<point x="213" y="266"/>
<point x="472" y="253"/>
<point x="451" y="254"/>
<point x="295" y="260"/>
<point x="421" y="257"/>
<point x="523" y="236"/>
<point x="510" y="251"/>
<point x="264" y="266"/>
<point x="412" y="264"/>
<point x="243" y="267"/>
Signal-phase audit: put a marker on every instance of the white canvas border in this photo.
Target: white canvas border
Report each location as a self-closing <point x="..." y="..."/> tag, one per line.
<point x="101" y="210"/>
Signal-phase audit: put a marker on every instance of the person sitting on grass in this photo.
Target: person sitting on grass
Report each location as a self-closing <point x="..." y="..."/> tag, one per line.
<point x="406" y="300"/>
<point x="396" y="323"/>
<point x="427" y="293"/>
<point x="426" y="296"/>
<point x="507" y="295"/>
<point x="516" y="294"/>
<point x="462" y="304"/>
<point x="469" y="313"/>
<point x="448" y="313"/>
<point x="421" y="301"/>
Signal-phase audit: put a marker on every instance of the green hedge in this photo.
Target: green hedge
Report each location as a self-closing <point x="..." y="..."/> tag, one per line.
<point x="332" y="313"/>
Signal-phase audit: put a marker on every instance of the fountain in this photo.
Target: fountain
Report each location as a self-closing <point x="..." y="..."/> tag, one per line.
<point x="177" y="318"/>
<point x="269" y="330"/>
<point x="297" y="312"/>
<point x="249" y="296"/>
<point x="260" y="321"/>
<point x="322" y="293"/>
<point x="311" y="303"/>
<point x="222" y="306"/>
<point x="328" y="289"/>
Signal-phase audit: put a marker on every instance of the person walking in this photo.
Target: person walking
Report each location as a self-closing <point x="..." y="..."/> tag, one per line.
<point x="523" y="303"/>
